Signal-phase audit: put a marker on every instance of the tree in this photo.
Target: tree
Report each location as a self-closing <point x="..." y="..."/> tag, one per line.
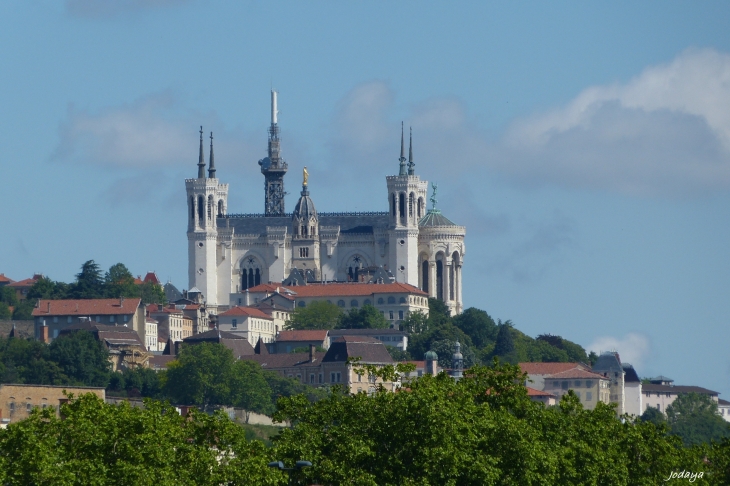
<point x="654" y="416"/>
<point x="367" y="317"/>
<point x="24" y="310"/>
<point x="5" y="311"/>
<point x="415" y="323"/>
<point x="89" y="283"/>
<point x="151" y="293"/>
<point x="45" y="288"/>
<point x="505" y="345"/>
<point x="319" y="314"/>
<point x="694" y="418"/>
<point x="207" y="375"/>
<point x="445" y="351"/>
<point x="481" y="430"/>
<point x="478" y="325"/>
<point x="8" y="296"/>
<point x="81" y="358"/>
<point x="119" y="282"/>
<point x="97" y="444"/>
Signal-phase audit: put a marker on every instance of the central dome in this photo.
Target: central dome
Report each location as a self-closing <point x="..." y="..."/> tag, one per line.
<point x="304" y="209"/>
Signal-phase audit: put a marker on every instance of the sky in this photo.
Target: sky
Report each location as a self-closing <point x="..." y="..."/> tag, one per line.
<point x="584" y="145"/>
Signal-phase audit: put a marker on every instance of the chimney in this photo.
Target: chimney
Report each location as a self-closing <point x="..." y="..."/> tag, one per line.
<point x="121" y="301"/>
<point x="49" y="307"/>
<point x="44" y="333"/>
<point x="312" y="349"/>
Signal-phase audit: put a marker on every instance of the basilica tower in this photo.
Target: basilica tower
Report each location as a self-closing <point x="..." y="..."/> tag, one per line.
<point x="407" y="203"/>
<point x="273" y="167"/>
<point x="207" y="200"/>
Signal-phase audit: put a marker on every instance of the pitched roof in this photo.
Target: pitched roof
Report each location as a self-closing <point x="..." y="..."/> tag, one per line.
<point x="160" y="361"/>
<point x="111" y="335"/>
<point x="4" y="279"/>
<point x="548" y="368"/>
<point x="308" y="335"/>
<point x="532" y="392"/>
<point x="151" y="277"/>
<point x="676" y="389"/>
<point x="722" y="402"/>
<point x="350" y="289"/>
<point x="86" y="307"/>
<point x="369" y="350"/>
<point x="28" y="282"/>
<point x="576" y="373"/>
<point x="236" y="343"/>
<point x="245" y="311"/>
<point x="631" y="376"/>
<point x="435" y="218"/>
<point x="286" y="360"/>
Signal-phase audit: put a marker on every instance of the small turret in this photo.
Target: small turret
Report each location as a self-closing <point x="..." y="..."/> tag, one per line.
<point x="402" y="158"/>
<point x="201" y="158"/>
<point x="211" y="170"/>
<point x="457" y="365"/>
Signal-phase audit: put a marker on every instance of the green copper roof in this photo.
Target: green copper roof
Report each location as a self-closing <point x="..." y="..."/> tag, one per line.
<point x="435" y="218"/>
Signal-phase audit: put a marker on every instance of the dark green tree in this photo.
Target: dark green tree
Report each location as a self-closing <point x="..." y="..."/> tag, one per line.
<point x="504" y="347"/>
<point x="366" y="317"/>
<point x="119" y="282"/>
<point x="654" y="416"/>
<point x="694" y="418"/>
<point x="45" y="288"/>
<point x="24" y="310"/>
<point x="478" y="325"/>
<point x="5" y="312"/>
<point x="319" y="314"/>
<point x="89" y="282"/>
<point x="8" y="296"/>
<point x="81" y="358"/>
<point x="151" y="293"/>
<point x="445" y="351"/>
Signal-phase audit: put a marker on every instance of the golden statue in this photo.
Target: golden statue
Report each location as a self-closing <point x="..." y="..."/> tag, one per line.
<point x="306" y="176"/>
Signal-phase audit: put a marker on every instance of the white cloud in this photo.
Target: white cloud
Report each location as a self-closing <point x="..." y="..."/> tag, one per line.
<point x="666" y="131"/>
<point x="113" y="8"/>
<point x="633" y="348"/>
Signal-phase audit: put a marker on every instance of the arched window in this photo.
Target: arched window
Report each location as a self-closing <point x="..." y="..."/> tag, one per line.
<point x="210" y="208"/>
<point x="192" y="207"/>
<point x="402" y="206"/>
<point x="251" y="271"/>
<point x="402" y="300"/>
<point x="354" y="303"/>
<point x="424" y="276"/>
<point x="392" y="203"/>
<point x="391" y="300"/>
<point x="439" y="279"/>
<point x="340" y="303"/>
<point x="420" y="207"/>
<point x="367" y="302"/>
<point x="380" y="301"/>
<point x="301" y="303"/>
<point x="220" y="208"/>
<point x="201" y="210"/>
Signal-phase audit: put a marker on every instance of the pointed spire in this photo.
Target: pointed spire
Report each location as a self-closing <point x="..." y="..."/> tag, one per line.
<point x="402" y="158"/>
<point x="211" y="170"/>
<point x="201" y="158"/>
<point x="411" y="164"/>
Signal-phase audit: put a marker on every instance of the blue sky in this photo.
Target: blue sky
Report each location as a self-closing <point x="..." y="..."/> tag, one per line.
<point x="585" y="146"/>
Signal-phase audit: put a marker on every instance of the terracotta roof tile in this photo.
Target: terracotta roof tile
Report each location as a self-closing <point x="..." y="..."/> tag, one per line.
<point x="5" y="279"/>
<point x="548" y="368"/>
<point x="576" y="373"/>
<point x="245" y="311"/>
<point x="531" y="392"/>
<point x="28" y="282"/>
<point x="86" y="307"/>
<point x="308" y="335"/>
<point x="151" y="277"/>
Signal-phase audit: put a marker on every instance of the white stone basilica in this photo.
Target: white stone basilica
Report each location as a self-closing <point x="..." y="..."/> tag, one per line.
<point x="230" y="253"/>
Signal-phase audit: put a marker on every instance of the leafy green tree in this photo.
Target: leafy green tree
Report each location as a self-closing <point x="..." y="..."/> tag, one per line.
<point x="415" y="323"/>
<point x="119" y="282"/>
<point x="504" y="347"/>
<point x="5" y="311"/>
<point x="366" y="317"/>
<point x="81" y="358"/>
<point x="24" y="311"/>
<point x="45" y="288"/>
<point x="694" y="418"/>
<point x="286" y="387"/>
<point x="319" y="314"/>
<point x="89" y="282"/>
<point x="478" y="325"/>
<point x="573" y="352"/>
<point x="8" y="296"/>
<point x="100" y="444"/>
<point x="398" y="354"/>
<point x="445" y="351"/>
<point x="654" y="416"/>
<point x="481" y="430"/>
<point x="207" y="375"/>
<point x="151" y="293"/>
<point x="28" y="361"/>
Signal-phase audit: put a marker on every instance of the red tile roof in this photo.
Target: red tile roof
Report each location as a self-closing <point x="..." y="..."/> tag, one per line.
<point x="264" y="288"/>
<point x="309" y="335"/>
<point x="151" y="277"/>
<point x="576" y="373"/>
<point x="548" y="368"/>
<point x="245" y="311"/>
<point x="531" y="392"/>
<point x="28" y="282"/>
<point x="86" y="307"/>
<point x="5" y="279"/>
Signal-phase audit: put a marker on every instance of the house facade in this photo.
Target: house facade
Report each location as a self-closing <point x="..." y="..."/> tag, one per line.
<point x="248" y="322"/>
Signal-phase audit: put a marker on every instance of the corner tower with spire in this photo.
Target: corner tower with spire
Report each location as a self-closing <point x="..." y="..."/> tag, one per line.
<point x="407" y="204"/>
<point x="273" y="167"/>
<point x="207" y="201"/>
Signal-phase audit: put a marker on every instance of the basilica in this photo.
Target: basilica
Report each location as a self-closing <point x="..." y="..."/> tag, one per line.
<point x="231" y="253"/>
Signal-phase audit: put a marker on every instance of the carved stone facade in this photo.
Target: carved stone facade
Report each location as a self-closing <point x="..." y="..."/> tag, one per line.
<point x="230" y="253"/>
